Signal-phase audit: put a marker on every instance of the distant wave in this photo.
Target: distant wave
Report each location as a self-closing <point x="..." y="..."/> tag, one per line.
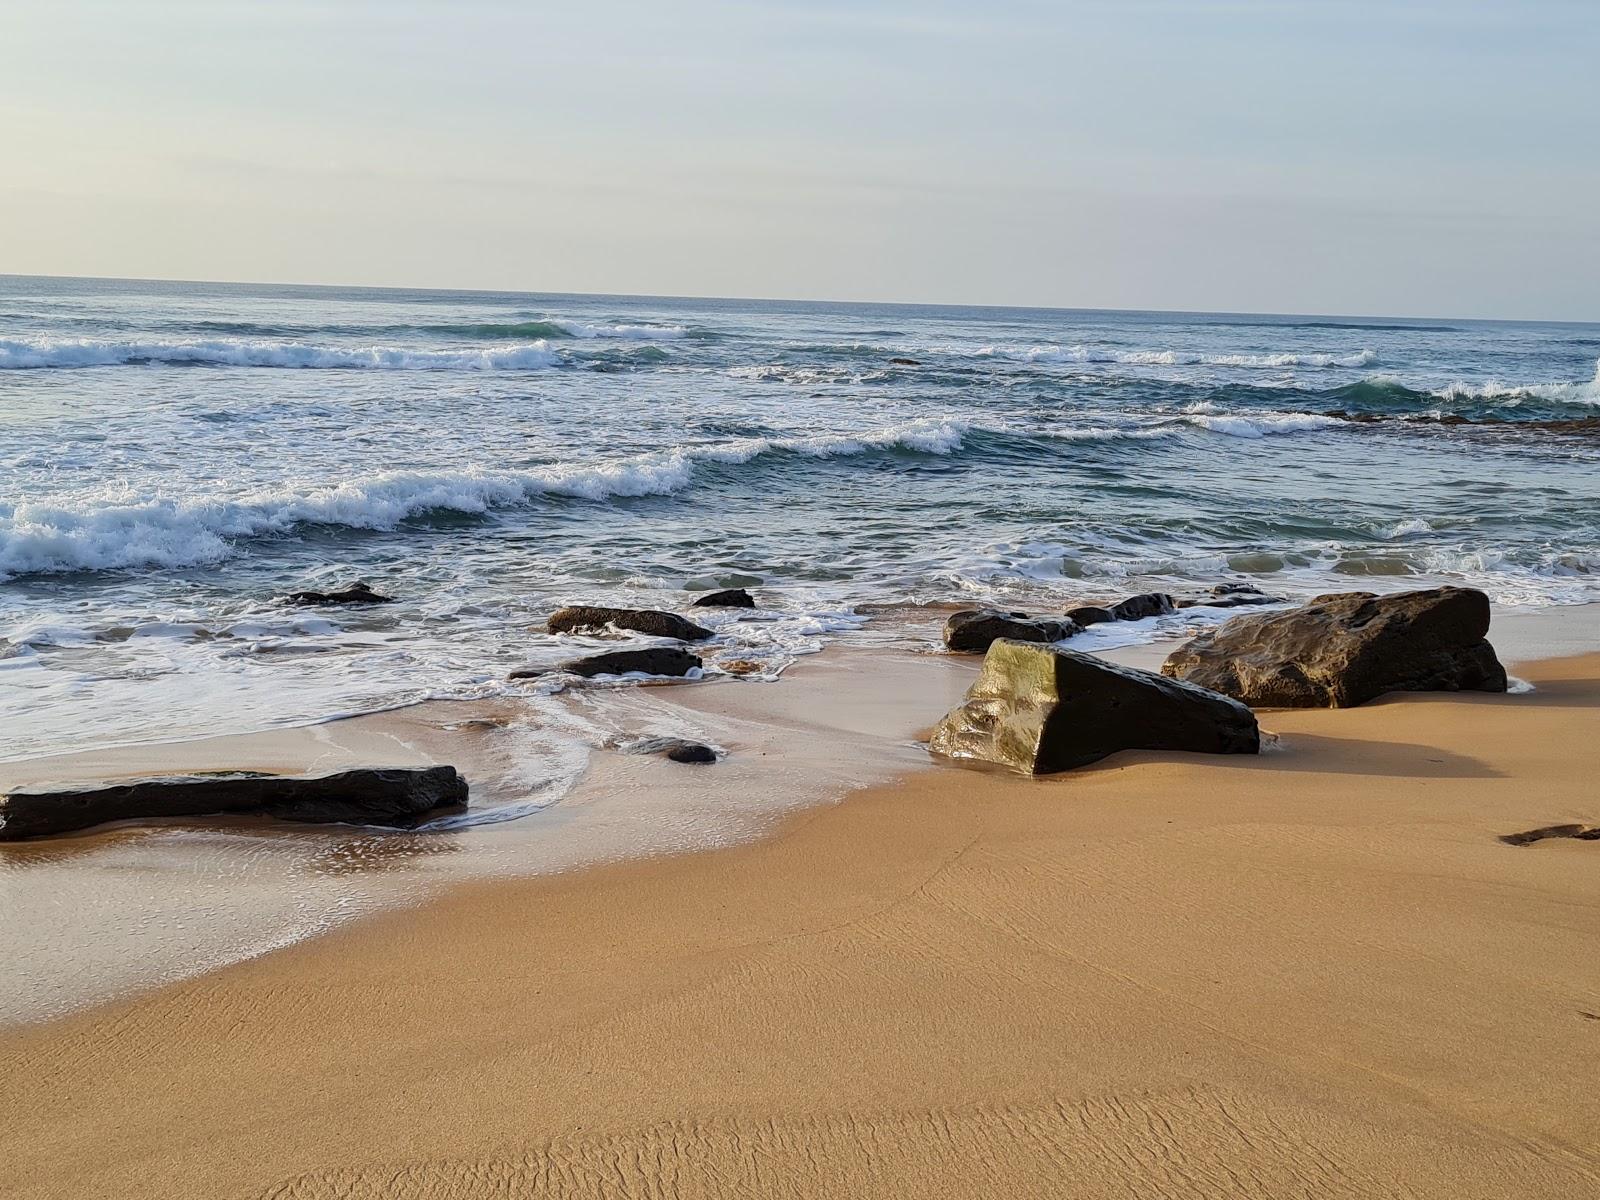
<point x="58" y="353"/>
<point x="1204" y="415"/>
<point x="1176" y="358"/>
<point x="120" y="532"/>
<point x="523" y="330"/>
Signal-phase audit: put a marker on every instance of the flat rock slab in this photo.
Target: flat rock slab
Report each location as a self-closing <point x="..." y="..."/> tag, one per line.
<point x="1040" y="710"/>
<point x="356" y="593"/>
<point x="400" y="798"/>
<point x="1346" y="648"/>
<point x="587" y="618"/>
<point x="972" y="631"/>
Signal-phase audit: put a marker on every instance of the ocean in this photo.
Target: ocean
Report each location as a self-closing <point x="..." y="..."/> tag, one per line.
<point x="180" y="456"/>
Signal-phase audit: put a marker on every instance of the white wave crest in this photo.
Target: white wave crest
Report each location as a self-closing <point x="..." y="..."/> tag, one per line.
<point x="632" y="333"/>
<point x="119" y="530"/>
<point x="1175" y="358"/>
<point x="1205" y="415"/>
<point x="44" y="353"/>
<point x="1587" y="392"/>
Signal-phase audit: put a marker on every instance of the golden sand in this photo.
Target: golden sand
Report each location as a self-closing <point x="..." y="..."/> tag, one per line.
<point x="1314" y="974"/>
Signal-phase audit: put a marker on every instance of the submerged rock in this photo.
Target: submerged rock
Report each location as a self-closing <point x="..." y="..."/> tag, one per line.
<point x="397" y="798"/>
<point x="729" y="598"/>
<point x="652" y="660"/>
<point x="1346" y="648"/>
<point x="1232" y="595"/>
<point x="972" y="630"/>
<point x="1089" y="614"/>
<point x="356" y="593"/>
<point x="906" y="362"/>
<point x="584" y="618"/>
<point x="1042" y="710"/>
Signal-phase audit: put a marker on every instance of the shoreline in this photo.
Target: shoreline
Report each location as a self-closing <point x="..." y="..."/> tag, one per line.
<point x="217" y="891"/>
<point x="1317" y="971"/>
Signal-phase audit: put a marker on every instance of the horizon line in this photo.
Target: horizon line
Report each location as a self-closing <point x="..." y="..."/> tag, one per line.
<point x="1191" y="312"/>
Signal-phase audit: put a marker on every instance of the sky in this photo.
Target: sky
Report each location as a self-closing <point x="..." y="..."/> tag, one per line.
<point x="1400" y="158"/>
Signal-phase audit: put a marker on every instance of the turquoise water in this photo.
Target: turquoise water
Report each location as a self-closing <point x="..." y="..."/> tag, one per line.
<point x="179" y="455"/>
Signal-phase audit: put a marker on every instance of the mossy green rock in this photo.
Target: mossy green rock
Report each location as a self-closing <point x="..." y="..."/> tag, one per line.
<point x="1040" y="710"/>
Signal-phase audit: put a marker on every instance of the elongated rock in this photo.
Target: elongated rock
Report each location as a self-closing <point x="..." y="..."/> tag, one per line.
<point x="582" y="618"/>
<point x="727" y="598"/>
<point x="397" y="798"/>
<point x="1346" y="648"/>
<point x="1040" y="710"/>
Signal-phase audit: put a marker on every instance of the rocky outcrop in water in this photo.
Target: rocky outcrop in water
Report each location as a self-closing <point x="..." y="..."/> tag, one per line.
<point x="1232" y="595"/>
<point x="1347" y="648"/>
<point x="591" y="618"/>
<point x="395" y="798"/>
<point x="652" y="660"/>
<point x="1041" y="710"/>
<point x="1134" y="608"/>
<point x="356" y="593"/>
<point x="971" y="631"/>
<point x="729" y="598"/>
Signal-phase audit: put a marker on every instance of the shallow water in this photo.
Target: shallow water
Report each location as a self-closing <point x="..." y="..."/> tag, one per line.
<point x="178" y="456"/>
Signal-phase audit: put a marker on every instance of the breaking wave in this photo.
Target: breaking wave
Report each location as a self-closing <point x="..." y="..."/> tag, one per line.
<point x="116" y="531"/>
<point x="1176" y="358"/>
<point x="60" y="353"/>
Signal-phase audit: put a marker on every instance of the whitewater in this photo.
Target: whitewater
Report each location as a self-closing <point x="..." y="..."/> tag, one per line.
<point x="179" y="457"/>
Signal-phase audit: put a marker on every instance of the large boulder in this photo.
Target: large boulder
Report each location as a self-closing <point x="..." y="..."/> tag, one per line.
<point x="396" y="798"/>
<point x="588" y="618"/>
<point x="972" y="630"/>
<point x="1041" y="710"/>
<point x="1347" y="648"/>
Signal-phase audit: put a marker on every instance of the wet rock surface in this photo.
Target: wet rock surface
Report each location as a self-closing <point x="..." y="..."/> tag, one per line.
<point x="356" y="593"/>
<point x="1347" y="648"/>
<point x="1040" y="710"/>
<point x="396" y="798"/>
<point x="591" y="618"/>
<point x="972" y="631"/>
<point x="727" y="598"/>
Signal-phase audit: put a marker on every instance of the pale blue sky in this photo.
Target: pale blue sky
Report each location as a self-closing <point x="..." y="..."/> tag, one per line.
<point x="1398" y="158"/>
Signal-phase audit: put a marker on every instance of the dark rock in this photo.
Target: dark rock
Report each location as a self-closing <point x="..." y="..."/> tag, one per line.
<point x="1147" y="604"/>
<point x="690" y="752"/>
<point x="583" y="618"/>
<point x="653" y="660"/>
<point x="972" y="630"/>
<point x="731" y="598"/>
<point x="356" y="593"/>
<point x="1583" y="833"/>
<point x="1089" y="614"/>
<point x="1041" y="710"/>
<point x="397" y="798"/>
<point x="1346" y="648"/>
<point x="905" y="362"/>
<point x="1239" y="600"/>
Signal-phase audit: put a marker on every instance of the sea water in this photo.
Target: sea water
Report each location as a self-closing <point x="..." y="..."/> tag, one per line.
<point x="178" y="457"/>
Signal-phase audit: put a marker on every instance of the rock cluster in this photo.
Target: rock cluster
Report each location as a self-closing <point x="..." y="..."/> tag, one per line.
<point x="1347" y="648"/>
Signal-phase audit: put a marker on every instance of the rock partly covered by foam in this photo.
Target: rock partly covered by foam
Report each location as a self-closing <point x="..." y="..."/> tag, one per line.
<point x="1134" y="608"/>
<point x="728" y="598"/>
<point x="588" y="618"/>
<point x="973" y="630"/>
<point x="652" y="660"/>
<point x="1232" y="595"/>
<point x="356" y="593"/>
<point x="1347" y="648"/>
<point x="1040" y="710"/>
<point x="396" y="798"/>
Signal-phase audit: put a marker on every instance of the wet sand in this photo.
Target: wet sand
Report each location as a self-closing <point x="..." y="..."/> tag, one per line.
<point x="1316" y="973"/>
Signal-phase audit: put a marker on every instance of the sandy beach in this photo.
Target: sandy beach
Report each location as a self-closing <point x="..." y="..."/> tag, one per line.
<point x="1315" y="973"/>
